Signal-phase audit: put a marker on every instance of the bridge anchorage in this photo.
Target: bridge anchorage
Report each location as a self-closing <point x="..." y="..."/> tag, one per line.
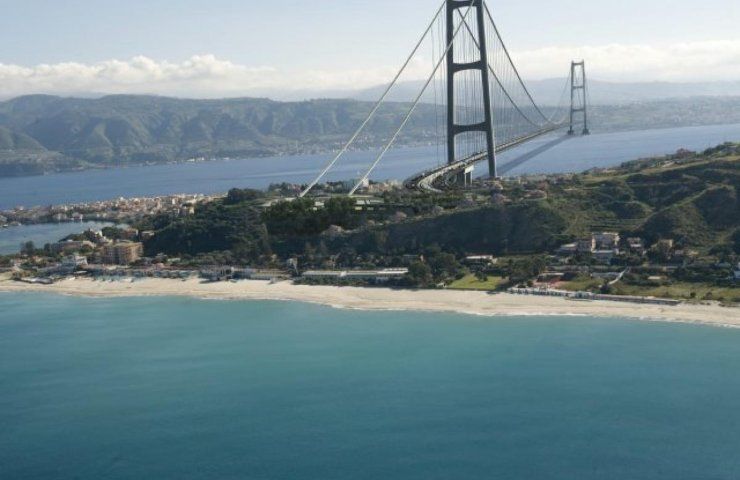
<point x="486" y="106"/>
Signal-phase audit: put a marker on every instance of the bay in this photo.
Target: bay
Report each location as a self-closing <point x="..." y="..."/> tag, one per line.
<point x="11" y="238"/>
<point x="178" y="388"/>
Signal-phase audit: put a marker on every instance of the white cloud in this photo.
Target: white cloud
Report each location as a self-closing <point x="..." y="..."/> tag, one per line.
<point x="208" y="76"/>
<point x="200" y="76"/>
<point x="681" y="62"/>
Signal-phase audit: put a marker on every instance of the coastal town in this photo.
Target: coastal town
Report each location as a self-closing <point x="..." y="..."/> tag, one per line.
<point x="119" y="210"/>
<point x="599" y="235"/>
<point x="589" y="268"/>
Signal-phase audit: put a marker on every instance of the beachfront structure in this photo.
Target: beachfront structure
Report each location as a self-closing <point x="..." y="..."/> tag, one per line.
<point x="581" y="295"/>
<point x="379" y="276"/>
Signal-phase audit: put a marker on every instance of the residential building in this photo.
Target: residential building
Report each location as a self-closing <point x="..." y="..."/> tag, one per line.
<point x="568" y="249"/>
<point x="587" y="245"/>
<point x="70" y="246"/>
<point x="636" y="245"/>
<point x="605" y="256"/>
<point x="480" y="260"/>
<point x="606" y="240"/>
<point x="74" y="261"/>
<point x="122" y="253"/>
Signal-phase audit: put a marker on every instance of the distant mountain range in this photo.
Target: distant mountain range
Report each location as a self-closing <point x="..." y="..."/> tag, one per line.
<point x="549" y="92"/>
<point x="42" y="134"/>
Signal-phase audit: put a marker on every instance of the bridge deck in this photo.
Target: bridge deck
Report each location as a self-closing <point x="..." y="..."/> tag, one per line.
<point x="435" y="180"/>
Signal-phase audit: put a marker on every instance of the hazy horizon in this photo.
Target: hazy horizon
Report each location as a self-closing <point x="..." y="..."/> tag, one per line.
<point x="283" y="48"/>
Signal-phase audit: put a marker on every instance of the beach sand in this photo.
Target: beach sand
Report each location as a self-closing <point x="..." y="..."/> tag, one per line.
<point x="477" y="303"/>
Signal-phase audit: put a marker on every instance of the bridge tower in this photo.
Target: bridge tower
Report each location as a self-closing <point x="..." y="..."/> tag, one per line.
<point x="578" y="95"/>
<point x="481" y="65"/>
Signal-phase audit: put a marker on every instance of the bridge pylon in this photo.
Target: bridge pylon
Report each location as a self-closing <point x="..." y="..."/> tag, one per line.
<point x="578" y="96"/>
<point x="480" y="65"/>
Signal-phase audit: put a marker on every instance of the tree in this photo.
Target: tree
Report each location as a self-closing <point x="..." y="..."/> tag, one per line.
<point x="28" y="248"/>
<point x="444" y="265"/>
<point x="419" y="274"/>
<point x="736" y="241"/>
<point x="238" y="195"/>
<point x="525" y="269"/>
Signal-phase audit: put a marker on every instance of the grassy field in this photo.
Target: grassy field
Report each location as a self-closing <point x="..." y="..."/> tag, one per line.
<point x="469" y="282"/>
<point x="677" y="290"/>
<point x="582" y="283"/>
<point x="682" y="290"/>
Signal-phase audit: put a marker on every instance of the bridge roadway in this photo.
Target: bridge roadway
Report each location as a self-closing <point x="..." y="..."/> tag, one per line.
<point x="436" y="180"/>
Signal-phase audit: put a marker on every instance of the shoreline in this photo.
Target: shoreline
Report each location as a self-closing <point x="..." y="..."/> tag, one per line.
<point x="385" y="299"/>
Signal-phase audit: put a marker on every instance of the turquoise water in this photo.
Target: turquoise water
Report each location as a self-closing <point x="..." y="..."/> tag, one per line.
<point x="11" y="238"/>
<point x="178" y="388"/>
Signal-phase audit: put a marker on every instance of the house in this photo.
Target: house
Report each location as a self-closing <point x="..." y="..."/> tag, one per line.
<point x="70" y="246"/>
<point x="736" y="273"/>
<point x="606" y="240"/>
<point x="217" y="274"/>
<point x="550" y="277"/>
<point x="636" y="245"/>
<point x="480" y="260"/>
<point x="568" y="249"/>
<point x="587" y="245"/>
<point x="74" y="261"/>
<point x="605" y="256"/>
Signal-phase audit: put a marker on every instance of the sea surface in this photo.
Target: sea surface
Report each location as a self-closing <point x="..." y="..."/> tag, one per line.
<point x="11" y="238"/>
<point x="573" y="155"/>
<point x="176" y="388"/>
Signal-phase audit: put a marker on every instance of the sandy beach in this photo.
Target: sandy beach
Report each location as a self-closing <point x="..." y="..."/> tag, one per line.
<point x="476" y="303"/>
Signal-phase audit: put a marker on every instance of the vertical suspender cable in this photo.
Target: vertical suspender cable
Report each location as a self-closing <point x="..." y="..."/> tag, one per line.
<point x="413" y="107"/>
<point x="375" y="108"/>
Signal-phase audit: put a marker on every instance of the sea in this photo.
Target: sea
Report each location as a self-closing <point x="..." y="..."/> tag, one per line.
<point x="11" y="238"/>
<point x="178" y="388"/>
<point x="549" y="154"/>
<point x="575" y="154"/>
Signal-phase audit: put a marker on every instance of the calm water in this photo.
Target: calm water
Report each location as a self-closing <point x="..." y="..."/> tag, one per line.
<point x="11" y="238"/>
<point x="179" y="389"/>
<point x="573" y="155"/>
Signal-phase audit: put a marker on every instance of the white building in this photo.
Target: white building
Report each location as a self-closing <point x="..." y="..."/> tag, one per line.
<point x="606" y="240"/>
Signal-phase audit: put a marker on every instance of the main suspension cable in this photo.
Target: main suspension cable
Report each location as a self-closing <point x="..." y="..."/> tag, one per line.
<point x="413" y="106"/>
<point x="375" y="108"/>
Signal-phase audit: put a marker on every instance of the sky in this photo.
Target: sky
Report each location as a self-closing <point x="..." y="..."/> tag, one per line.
<point x="237" y="47"/>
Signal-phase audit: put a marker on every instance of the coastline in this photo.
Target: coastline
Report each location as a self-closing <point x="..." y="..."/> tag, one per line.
<point x="466" y="302"/>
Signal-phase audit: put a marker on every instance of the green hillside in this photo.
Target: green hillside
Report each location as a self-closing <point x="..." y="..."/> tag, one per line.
<point x="691" y="200"/>
<point x="122" y="129"/>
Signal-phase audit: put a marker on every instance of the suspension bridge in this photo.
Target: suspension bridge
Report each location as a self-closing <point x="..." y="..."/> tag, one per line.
<point x="486" y="106"/>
